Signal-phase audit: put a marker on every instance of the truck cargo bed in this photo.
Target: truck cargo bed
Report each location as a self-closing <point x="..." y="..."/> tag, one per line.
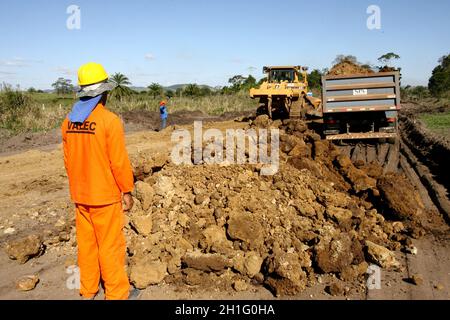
<point x="360" y="106"/>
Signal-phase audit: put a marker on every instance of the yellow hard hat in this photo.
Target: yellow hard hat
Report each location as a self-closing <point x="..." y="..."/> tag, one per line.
<point x="91" y="73"/>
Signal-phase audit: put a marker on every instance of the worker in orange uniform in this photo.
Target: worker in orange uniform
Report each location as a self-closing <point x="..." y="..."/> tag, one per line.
<point x="100" y="176"/>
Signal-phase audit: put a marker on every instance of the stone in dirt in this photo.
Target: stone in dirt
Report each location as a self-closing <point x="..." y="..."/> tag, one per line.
<point x="240" y="285"/>
<point x="145" y="164"/>
<point x="144" y="273"/>
<point x="306" y="163"/>
<point x="252" y="264"/>
<point x="335" y="289"/>
<point x="354" y="272"/>
<point x="70" y="261"/>
<point x="27" y="283"/>
<point x="144" y="193"/>
<point x="9" y="231"/>
<point x="246" y="228"/>
<point x="334" y="254"/>
<point x="24" y="249"/>
<point x="373" y="170"/>
<point x="411" y="249"/>
<point x="206" y="261"/>
<point x="142" y="224"/>
<point x="321" y="149"/>
<point x="262" y="121"/>
<point x="439" y="286"/>
<point x="163" y="186"/>
<point x="159" y="160"/>
<point x="285" y="274"/>
<point x="381" y="255"/>
<point x="398" y="226"/>
<point x="201" y="199"/>
<point x="64" y="236"/>
<point x="358" y="178"/>
<point x="400" y="196"/>
<point x="193" y="277"/>
<point x="340" y="215"/>
<point x="216" y="238"/>
<point x="285" y="286"/>
<point x="417" y="279"/>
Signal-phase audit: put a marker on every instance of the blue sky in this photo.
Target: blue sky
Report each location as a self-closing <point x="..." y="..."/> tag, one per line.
<point x="182" y="41"/>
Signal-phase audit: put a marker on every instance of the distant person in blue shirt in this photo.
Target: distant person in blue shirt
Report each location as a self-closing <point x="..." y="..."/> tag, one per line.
<point x="163" y="113"/>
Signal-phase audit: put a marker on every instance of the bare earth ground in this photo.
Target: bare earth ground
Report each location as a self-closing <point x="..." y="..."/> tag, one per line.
<point x="135" y="120"/>
<point x="34" y="196"/>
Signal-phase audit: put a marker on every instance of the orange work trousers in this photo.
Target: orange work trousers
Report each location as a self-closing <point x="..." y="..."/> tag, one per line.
<point x="101" y="250"/>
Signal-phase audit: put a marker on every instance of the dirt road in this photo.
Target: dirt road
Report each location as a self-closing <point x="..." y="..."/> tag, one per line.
<point x="34" y="199"/>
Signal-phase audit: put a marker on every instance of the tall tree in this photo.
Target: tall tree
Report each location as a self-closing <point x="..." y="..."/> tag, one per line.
<point x="315" y="79"/>
<point x="205" y="91"/>
<point x="439" y="82"/>
<point x="237" y="81"/>
<point x="388" y="57"/>
<point x="192" y="90"/>
<point x="249" y="82"/>
<point x="169" y="93"/>
<point x="122" y="82"/>
<point x="179" y="92"/>
<point x="155" y="90"/>
<point x="63" y="86"/>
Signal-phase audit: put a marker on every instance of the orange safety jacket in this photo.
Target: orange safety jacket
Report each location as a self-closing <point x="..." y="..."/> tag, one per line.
<point x="95" y="158"/>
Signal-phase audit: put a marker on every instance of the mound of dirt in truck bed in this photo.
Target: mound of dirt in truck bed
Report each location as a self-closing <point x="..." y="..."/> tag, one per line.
<point x="348" y="67"/>
<point x="226" y="226"/>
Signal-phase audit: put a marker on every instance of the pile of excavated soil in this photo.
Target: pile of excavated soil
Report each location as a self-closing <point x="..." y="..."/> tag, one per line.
<point x="226" y="226"/>
<point x="348" y="67"/>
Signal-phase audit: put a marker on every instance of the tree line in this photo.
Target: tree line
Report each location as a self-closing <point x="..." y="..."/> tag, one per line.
<point x="438" y="84"/>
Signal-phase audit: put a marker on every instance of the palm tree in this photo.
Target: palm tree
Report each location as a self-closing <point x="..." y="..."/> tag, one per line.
<point x="122" y="82"/>
<point x="155" y="90"/>
<point x="192" y="90"/>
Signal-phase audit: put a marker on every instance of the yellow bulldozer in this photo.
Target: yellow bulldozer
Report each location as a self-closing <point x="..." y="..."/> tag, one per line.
<point x="284" y="94"/>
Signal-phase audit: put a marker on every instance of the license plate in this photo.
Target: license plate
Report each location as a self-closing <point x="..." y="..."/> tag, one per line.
<point x="360" y="92"/>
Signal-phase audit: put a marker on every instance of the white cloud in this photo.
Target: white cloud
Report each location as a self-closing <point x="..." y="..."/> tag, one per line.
<point x="149" y="56"/>
<point x="18" y="62"/>
<point x="6" y="73"/>
<point x="65" y="71"/>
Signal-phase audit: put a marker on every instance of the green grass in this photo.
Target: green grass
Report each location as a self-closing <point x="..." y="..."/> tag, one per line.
<point x="438" y="122"/>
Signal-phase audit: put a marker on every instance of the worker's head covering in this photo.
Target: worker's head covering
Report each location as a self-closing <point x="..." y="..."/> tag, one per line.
<point x="162" y="103"/>
<point x="95" y="89"/>
<point x="93" y="80"/>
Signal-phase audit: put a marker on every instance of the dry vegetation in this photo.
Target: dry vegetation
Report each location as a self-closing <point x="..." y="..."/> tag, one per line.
<point x="22" y="112"/>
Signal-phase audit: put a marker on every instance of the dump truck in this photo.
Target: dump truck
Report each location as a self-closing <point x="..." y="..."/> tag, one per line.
<point x="361" y="106"/>
<point x="285" y="94"/>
